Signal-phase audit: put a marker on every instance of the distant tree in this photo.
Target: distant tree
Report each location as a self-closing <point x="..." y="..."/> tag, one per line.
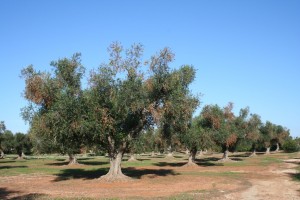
<point x="22" y="145"/>
<point x="221" y="123"/>
<point x="196" y="138"/>
<point x="2" y="130"/>
<point x="280" y="135"/>
<point x="253" y="133"/>
<point x="267" y="133"/>
<point x="241" y="127"/>
<point x="55" y="101"/>
<point x="291" y="145"/>
<point x="179" y="103"/>
<point x="8" y="142"/>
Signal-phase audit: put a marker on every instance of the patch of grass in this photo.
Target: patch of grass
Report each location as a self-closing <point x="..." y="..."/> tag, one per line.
<point x="208" y="173"/>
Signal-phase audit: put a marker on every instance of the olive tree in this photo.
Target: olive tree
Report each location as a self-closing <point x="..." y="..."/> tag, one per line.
<point x="2" y="130"/>
<point x="124" y="101"/>
<point x="55" y="104"/>
<point x="221" y="123"/>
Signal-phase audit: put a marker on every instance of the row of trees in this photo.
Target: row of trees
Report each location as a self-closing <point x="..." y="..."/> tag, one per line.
<point x="125" y="99"/>
<point x="10" y="143"/>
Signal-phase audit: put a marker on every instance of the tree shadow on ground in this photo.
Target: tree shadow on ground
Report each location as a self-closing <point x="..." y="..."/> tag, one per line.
<point x="132" y="172"/>
<point x="10" y="194"/>
<point x="208" y="162"/>
<point x="244" y="155"/>
<point x="11" y="167"/>
<point x="235" y="159"/>
<point x="7" y="161"/>
<point x="67" y="174"/>
<point x="142" y="159"/>
<point x="170" y="164"/>
<point x="158" y="156"/>
<point x="295" y="176"/>
<point x="138" y="173"/>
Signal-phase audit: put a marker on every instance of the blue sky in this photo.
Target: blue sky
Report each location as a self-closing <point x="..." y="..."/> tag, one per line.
<point x="246" y="52"/>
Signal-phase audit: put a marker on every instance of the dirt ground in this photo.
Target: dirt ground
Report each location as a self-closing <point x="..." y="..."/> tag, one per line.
<point x="243" y="182"/>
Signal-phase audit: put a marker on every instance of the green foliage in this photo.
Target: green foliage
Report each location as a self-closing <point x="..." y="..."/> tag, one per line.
<point x="22" y="144"/>
<point x="55" y="110"/>
<point x="8" y="142"/>
<point x="290" y="146"/>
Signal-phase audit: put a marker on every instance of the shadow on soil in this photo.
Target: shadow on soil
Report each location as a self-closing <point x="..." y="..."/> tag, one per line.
<point x="204" y="162"/>
<point x="12" y="195"/>
<point x="10" y="167"/>
<point x="132" y="172"/>
<point x="295" y="176"/>
<point x="80" y="161"/>
<point x="7" y="161"/>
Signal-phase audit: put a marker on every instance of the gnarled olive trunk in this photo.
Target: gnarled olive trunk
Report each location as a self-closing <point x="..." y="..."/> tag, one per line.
<point x="132" y="158"/>
<point x="200" y="154"/>
<point x="21" y="155"/>
<point x="268" y="150"/>
<point x="169" y="152"/>
<point x="152" y="154"/>
<point x="1" y="154"/>
<point x="225" y="155"/>
<point x="253" y="153"/>
<point x="72" y="159"/>
<point x="277" y="147"/>
<point x="192" y="157"/>
<point x="253" y="150"/>
<point x="115" y="172"/>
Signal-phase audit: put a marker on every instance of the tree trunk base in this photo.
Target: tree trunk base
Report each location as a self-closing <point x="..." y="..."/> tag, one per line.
<point x="115" y="178"/>
<point x="169" y="156"/>
<point x="190" y="165"/>
<point x="131" y="159"/>
<point x="253" y="155"/>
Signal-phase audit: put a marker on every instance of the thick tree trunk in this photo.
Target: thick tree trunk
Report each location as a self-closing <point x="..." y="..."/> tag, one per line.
<point x="152" y="154"/>
<point x="268" y="150"/>
<point x="169" y="153"/>
<point x="200" y="154"/>
<point x="225" y="156"/>
<point x="72" y="160"/>
<point x="21" y="155"/>
<point x="115" y="171"/>
<point x="132" y="158"/>
<point x="277" y="147"/>
<point x="1" y="154"/>
<point x="187" y="152"/>
<point x="192" y="157"/>
<point x="253" y="154"/>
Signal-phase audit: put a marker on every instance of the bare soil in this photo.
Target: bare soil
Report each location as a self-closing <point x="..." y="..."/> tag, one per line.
<point x="202" y="182"/>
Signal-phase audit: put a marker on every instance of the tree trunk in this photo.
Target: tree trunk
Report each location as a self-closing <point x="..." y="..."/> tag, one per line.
<point x="253" y="154"/>
<point x="268" y="150"/>
<point x="1" y="154"/>
<point x="192" y="157"/>
<point x="72" y="160"/>
<point x="225" y="156"/>
<point x="132" y="158"/>
<point x="21" y="155"/>
<point x="187" y="152"/>
<point x="152" y="154"/>
<point x="200" y="154"/>
<point x="277" y="147"/>
<point x="170" y="152"/>
<point x="115" y="171"/>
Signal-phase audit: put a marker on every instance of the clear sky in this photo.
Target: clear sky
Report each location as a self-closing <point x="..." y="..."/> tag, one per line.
<point x="246" y="52"/>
